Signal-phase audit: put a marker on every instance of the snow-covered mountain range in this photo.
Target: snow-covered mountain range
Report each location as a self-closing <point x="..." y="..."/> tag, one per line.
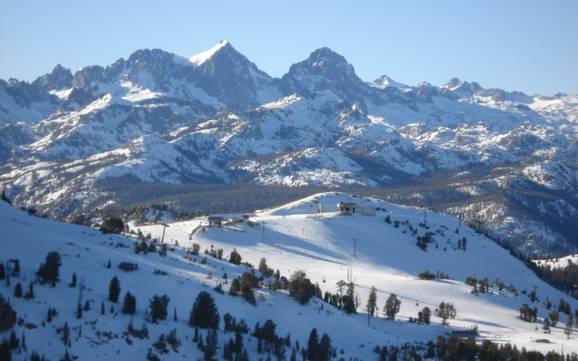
<point x="483" y="281"/>
<point x="216" y="118"/>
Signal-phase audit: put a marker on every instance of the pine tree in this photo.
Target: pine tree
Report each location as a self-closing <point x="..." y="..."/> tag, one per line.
<point x="78" y="311"/>
<point x="235" y="287"/>
<point x="325" y="349"/>
<point x="16" y="268"/>
<point x="300" y="287"/>
<point x="554" y="317"/>
<point x="14" y="342"/>
<point x="210" y="347"/>
<point x="569" y="324"/>
<point x="313" y="346"/>
<point x="5" y="352"/>
<point x="264" y="269"/>
<point x="49" y="270"/>
<point x="424" y="316"/>
<point x="446" y="311"/>
<point x="18" y="290"/>
<point x="371" y="303"/>
<point x="546" y="326"/>
<point x="2" y="271"/>
<point x="30" y="293"/>
<point x="23" y="342"/>
<point x="158" y="307"/>
<point x="175" y="315"/>
<point x="7" y="314"/>
<point x="114" y="290"/>
<point x="102" y="311"/>
<point x="234" y="257"/>
<point x="392" y="306"/>
<point x="204" y="313"/>
<point x="129" y="304"/>
<point x="73" y="281"/>
<point x="65" y="334"/>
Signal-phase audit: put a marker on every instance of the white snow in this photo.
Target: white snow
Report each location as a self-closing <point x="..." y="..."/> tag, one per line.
<point x="201" y="57"/>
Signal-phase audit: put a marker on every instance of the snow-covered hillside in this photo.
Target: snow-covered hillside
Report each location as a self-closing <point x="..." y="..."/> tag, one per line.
<point x="311" y="235"/>
<point x="305" y="235"/>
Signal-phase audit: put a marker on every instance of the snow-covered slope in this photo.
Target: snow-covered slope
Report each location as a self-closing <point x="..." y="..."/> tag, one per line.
<point x="309" y="234"/>
<point x="290" y="237"/>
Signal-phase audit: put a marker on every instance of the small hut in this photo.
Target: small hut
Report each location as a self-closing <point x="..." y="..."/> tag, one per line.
<point x="465" y="334"/>
<point x="346" y="208"/>
<point x="215" y="221"/>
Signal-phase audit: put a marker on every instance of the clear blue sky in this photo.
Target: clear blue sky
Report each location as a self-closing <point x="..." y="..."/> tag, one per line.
<point x="529" y="45"/>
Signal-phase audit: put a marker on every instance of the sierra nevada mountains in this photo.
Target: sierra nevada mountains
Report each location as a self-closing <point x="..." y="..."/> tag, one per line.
<point x="216" y="118"/>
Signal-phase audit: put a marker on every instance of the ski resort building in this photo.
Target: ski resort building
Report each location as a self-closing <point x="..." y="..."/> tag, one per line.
<point x="347" y="208"/>
<point x="215" y="221"/>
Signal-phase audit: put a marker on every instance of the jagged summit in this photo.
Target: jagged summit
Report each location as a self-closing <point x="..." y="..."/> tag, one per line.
<point x="324" y="70"/>
<point x="200" y="58"/>
<point x="59" y="78"/>
<point x="385" y="81"/>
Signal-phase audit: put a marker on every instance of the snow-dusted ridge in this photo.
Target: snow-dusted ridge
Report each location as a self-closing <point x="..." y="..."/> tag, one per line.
<point x="229" y="122"/>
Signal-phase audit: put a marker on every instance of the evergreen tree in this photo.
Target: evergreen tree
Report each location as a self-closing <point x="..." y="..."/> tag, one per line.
<point x="313" y="346"/>
<point x="546" y="326"/>
<point x="424" y="316"/>
<point x="49" y="270"/>
<point x="7" y="314"/>
<point x="300" y="287"/>
<point x="158" y="307"/>
<point x="114" y="290"/>
<point x="371" y="303"/>
<point x="349" y="300"/>
<point x="235" y="287"/>
<point x="204" y="313"/>
<point x="392" y="306"/>
<point x="264" y="269"/>
<point x="73" y="281"/>
<point x="102" y="311"/>
<point x="210" y="346"/>
<point x="235" y="257"/>
<point x="247" y="283"/>
<point x="66" y="357"/>
<point x="5" y="352"/>
<point x="30" y="293"/>
<point x="65" y="334"/>
<point x="446" y="311"/>
<point x="2" y="271"/>
<point x="569" y="324"/>
<point x="554" y="317"/>
<point x="129" y="304"/>
<point x="18" y="290"/>
<point x="78" y="311"/>
<point x="16" y="268"/>
<point x="325" y="349"/>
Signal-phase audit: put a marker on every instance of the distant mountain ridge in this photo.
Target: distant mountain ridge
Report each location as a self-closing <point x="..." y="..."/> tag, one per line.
<point x="217" y="118"/>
